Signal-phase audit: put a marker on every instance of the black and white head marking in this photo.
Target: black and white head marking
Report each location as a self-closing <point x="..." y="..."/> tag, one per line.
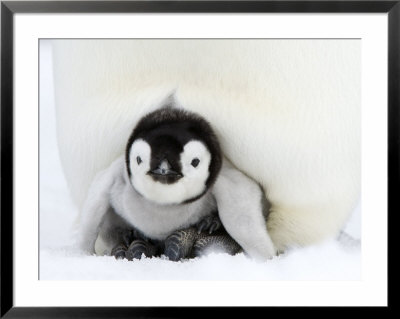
<point x="173" y="156"/>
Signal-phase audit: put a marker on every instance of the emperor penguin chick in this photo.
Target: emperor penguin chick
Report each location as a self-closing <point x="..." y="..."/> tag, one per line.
<point x="162" y="186"/>
<point x="172" y="178"/>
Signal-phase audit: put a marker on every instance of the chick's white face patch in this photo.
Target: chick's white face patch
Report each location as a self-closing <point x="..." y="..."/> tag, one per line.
<point x="139" y="158"/>
<point x="195" y="161"/>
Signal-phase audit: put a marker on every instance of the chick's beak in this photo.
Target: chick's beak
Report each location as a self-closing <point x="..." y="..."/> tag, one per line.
<point x="164" y="169"/>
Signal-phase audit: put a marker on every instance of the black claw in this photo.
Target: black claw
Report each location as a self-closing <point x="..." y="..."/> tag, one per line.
<point x="201" y="226"/>
<point x="204" y="224"/>
<point x="210" y="224"/>
<point x="214" y="226"/>
<point x="119" y="251"/>
<point x="120" y="255"/>
<point x="138" y="248"/>
<point x="135" y="255"/>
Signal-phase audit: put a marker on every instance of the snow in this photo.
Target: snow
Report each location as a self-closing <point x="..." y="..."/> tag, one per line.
<point x="328" y="261"/>
<point x="335" y="259"/>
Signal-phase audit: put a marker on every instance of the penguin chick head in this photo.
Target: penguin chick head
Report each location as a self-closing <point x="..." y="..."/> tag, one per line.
<point x="172" y="156"/>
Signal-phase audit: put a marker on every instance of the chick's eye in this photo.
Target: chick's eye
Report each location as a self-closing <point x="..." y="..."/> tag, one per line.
<point x="138" y="160"/>
<point x="195" y="162"/>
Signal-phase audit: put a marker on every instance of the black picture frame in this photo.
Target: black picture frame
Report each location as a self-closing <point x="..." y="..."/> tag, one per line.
<point x="9" y="8"/>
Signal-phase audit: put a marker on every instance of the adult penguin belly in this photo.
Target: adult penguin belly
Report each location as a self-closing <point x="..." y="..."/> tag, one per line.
<point x="287" y="114"/>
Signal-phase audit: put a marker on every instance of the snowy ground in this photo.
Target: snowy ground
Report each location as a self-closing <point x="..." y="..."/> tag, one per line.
<point x="59" y="260"/>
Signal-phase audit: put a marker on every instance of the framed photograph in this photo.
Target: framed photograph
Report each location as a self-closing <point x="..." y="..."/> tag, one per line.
<point x="158" y="156"/>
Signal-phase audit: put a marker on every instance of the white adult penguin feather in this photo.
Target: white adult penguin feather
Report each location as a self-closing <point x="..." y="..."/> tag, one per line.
<point x="286" y="112"/>
<point x="170" y="180"/>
